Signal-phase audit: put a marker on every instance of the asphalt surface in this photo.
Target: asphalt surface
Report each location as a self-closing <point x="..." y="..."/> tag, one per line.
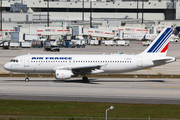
<point x="126" y="90"/>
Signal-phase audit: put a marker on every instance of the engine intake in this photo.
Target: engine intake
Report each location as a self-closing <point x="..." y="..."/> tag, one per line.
<point x="63" y="74"/>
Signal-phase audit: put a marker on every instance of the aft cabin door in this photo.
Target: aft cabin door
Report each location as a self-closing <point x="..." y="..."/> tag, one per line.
<point x="139" y="62"/>
<point x="26" y="62"/>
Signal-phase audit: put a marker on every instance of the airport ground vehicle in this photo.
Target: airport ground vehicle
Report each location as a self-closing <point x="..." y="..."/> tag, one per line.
<point x="146" y="43"/>
<point x="122" y="43"/>
<point x="94" y="42"/>
<point x="109" y="42"/>
<point x="116" y="42"/>
<point x="175" y="39"/>
<point x="54" y="49"/>
<point x="69" y="44"/>
<point x="49" y="46"/>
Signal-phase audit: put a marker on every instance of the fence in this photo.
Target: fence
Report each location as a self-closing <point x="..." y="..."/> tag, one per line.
<point x="74" y="118"/>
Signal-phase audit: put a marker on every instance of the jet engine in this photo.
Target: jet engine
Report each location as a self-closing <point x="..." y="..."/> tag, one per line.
<point x="63" y="74"/>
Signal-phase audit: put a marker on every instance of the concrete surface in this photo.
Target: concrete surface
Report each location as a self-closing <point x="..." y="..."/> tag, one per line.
<point x="120" y="90"/>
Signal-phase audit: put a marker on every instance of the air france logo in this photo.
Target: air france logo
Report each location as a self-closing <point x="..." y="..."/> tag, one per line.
<point x="51" y="58"/>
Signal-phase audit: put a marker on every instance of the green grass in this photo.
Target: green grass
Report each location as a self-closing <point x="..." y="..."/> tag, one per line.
<point x="83" y="109"/>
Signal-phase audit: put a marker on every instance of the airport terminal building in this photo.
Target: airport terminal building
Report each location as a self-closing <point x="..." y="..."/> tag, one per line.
<point x="80" y="9"/>
<point x="30" y="16"/>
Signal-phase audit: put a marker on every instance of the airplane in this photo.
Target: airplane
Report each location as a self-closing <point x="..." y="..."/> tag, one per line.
<point x="66" y="66"/>
<point x="140" y="37"/>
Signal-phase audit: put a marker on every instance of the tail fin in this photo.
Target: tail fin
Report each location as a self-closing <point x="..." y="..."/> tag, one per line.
<point x="160" y="43"/>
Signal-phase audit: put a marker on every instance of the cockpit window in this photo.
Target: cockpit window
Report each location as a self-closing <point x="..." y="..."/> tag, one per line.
<point x="14" y="60"/>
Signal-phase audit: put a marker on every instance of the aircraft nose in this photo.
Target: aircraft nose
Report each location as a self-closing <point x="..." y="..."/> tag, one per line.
<point x="7" y="66"/>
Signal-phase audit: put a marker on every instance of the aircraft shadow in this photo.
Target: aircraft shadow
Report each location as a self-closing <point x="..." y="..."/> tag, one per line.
<point x="130" y="81"/>
<point x="91" y="81"/>
<point x="74" y="81"/>
<point x="54" y="81"/>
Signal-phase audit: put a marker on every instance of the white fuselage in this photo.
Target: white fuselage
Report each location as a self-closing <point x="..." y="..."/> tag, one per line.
<point x="109" y="63"/>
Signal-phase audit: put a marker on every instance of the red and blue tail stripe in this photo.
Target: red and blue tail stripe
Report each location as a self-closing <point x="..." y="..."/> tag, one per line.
<point x="162" y="42"/>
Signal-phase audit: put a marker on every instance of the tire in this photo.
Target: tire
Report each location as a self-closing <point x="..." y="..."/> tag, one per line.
<point x="85" y="79"/>
<point x="27" y="79"/>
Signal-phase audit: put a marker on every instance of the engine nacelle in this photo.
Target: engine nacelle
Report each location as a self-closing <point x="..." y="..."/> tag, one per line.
<point x="63" y="74"/>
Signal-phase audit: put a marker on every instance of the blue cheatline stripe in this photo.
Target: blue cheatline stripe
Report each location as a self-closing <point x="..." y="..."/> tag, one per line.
<point x="161" y="38"/>
<point x="163" y="41"/>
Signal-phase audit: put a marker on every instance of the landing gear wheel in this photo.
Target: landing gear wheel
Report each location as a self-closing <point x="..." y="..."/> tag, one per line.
<point x="85" y="79"/>
<point x="27" y="77"/>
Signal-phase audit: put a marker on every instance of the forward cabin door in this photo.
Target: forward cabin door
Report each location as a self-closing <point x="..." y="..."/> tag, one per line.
<point x="139" y="62"/>
<point x="26" y="61"/>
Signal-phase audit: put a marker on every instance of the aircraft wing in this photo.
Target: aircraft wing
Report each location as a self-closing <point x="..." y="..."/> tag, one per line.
<point x="91" y="67"/>
<point x="81" y="69"/>
<point x="85" y="69"/>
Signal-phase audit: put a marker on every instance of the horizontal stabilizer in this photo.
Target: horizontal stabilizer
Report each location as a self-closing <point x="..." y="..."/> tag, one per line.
<point x="167" y="59"/>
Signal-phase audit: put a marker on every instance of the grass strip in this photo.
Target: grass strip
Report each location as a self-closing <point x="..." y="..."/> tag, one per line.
<point x="86" y="109"/>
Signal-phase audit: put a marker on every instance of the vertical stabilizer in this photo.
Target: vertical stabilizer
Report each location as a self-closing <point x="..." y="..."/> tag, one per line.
<point x="160" y="43"/>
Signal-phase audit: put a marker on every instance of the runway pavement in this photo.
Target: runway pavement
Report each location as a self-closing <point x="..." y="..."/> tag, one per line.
<point x="155" y="91"/>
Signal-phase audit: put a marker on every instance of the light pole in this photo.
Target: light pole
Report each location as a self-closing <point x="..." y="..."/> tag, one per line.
<point x="109" y="109"/>
<point x="1" y="16"/>
<point x="83" y="11"/>
<point x="142" y="10"/>
<point x="137" y="8"/>
<point x="48" y="17"/>
<point x="90" y="13"/>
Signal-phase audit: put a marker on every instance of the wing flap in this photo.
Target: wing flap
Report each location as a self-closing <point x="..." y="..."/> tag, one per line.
<point x="90" y="67"/>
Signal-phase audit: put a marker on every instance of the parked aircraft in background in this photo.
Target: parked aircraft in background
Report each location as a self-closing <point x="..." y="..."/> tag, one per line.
<point x="140" y="37"/>
<point x="175" y="35"/>
<point x="68" y="65"/>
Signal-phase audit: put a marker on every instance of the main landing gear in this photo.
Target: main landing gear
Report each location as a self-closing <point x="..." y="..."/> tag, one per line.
<point x="85" y="79"/>
<point x="27" y="77"/>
